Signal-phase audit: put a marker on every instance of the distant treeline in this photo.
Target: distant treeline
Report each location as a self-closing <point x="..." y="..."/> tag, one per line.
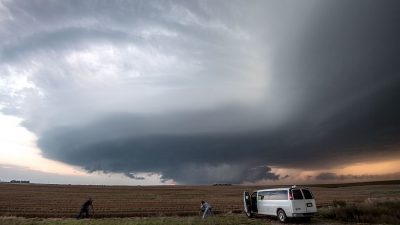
<point x="222" y="184"/>
<point x="20" y="181"/>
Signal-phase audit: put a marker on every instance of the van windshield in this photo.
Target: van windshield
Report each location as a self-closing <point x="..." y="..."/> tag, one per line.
<point x="297" y="194"/>
<point x="307" y="194"/>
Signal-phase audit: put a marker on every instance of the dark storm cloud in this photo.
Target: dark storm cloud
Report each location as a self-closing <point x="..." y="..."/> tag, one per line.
<point x="129" y="144"/>
<point x="133" y="176"/>
<point x="327" y="176"/>
<point x="205" y="174"/>
<point x="221" y="92"/>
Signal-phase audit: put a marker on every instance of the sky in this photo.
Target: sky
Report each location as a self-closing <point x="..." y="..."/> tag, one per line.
<point x="199" y="92"/>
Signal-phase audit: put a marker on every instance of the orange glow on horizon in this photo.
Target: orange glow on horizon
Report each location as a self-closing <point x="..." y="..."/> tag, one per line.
<point x="386" y="167"/>
<point x="18" y="148"/>
<point x="382" y="167"/>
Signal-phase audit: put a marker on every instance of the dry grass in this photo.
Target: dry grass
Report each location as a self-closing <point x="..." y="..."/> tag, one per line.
<point x="373" y="210"/>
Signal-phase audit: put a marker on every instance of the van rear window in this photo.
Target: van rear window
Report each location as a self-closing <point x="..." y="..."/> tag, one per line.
<point x="307" y="194"/>
<point x="297" y="194"/>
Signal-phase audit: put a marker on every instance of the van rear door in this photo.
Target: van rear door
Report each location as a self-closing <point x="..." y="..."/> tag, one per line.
<point x="310" y="201"/>
<point x="247" y="203"/>
<point x="298" y="203"/>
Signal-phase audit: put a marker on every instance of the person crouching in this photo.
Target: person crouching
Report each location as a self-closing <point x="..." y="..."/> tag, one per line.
<point x="206" y="208"/>
<point x="85" y="209"/>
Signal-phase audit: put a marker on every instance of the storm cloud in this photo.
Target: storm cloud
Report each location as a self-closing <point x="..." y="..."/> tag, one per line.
<point x="204" y="91"/>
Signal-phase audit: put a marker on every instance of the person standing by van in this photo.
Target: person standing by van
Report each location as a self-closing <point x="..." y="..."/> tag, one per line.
<point x="206" y="208"/>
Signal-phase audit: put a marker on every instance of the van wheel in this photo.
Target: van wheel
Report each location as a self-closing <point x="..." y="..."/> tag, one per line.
<point x="282" y="216"/>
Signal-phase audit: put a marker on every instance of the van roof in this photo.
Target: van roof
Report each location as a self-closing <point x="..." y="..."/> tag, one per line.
<point x="274" y="189"/>
<point x="281" y="189"/>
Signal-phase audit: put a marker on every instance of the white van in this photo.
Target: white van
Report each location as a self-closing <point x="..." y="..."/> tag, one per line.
<point x="280" y="202"/>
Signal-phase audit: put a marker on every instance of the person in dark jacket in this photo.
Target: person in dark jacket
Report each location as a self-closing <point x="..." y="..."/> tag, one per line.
<point x="85" y="208"/>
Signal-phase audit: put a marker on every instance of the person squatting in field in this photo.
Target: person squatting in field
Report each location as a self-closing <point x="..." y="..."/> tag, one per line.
<point x="206" y="208"/>
<point x="85" y="208"/>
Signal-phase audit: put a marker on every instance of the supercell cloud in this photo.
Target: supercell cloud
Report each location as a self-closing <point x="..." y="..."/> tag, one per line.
<point x="204" y="91"/>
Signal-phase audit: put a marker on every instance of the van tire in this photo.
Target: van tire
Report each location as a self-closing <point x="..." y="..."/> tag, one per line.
<point x="281" y="216"/>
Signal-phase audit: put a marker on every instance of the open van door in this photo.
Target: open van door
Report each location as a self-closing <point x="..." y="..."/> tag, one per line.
<point x="247" y="204"/>
<point x="298" y="202"/>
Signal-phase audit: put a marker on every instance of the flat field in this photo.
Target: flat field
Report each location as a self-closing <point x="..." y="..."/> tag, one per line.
<point x="236" y="219"/>
<point x="61" y="201"/>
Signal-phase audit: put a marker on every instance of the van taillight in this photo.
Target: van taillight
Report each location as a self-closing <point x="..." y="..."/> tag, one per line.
<point x="290" y="195"/>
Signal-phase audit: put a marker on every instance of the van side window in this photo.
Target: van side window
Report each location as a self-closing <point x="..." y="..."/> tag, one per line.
<point x="307" y="194"/>
<point x="278" y="195"/>
<point x="262" y="195"/>
<point x="297" y="194"/>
